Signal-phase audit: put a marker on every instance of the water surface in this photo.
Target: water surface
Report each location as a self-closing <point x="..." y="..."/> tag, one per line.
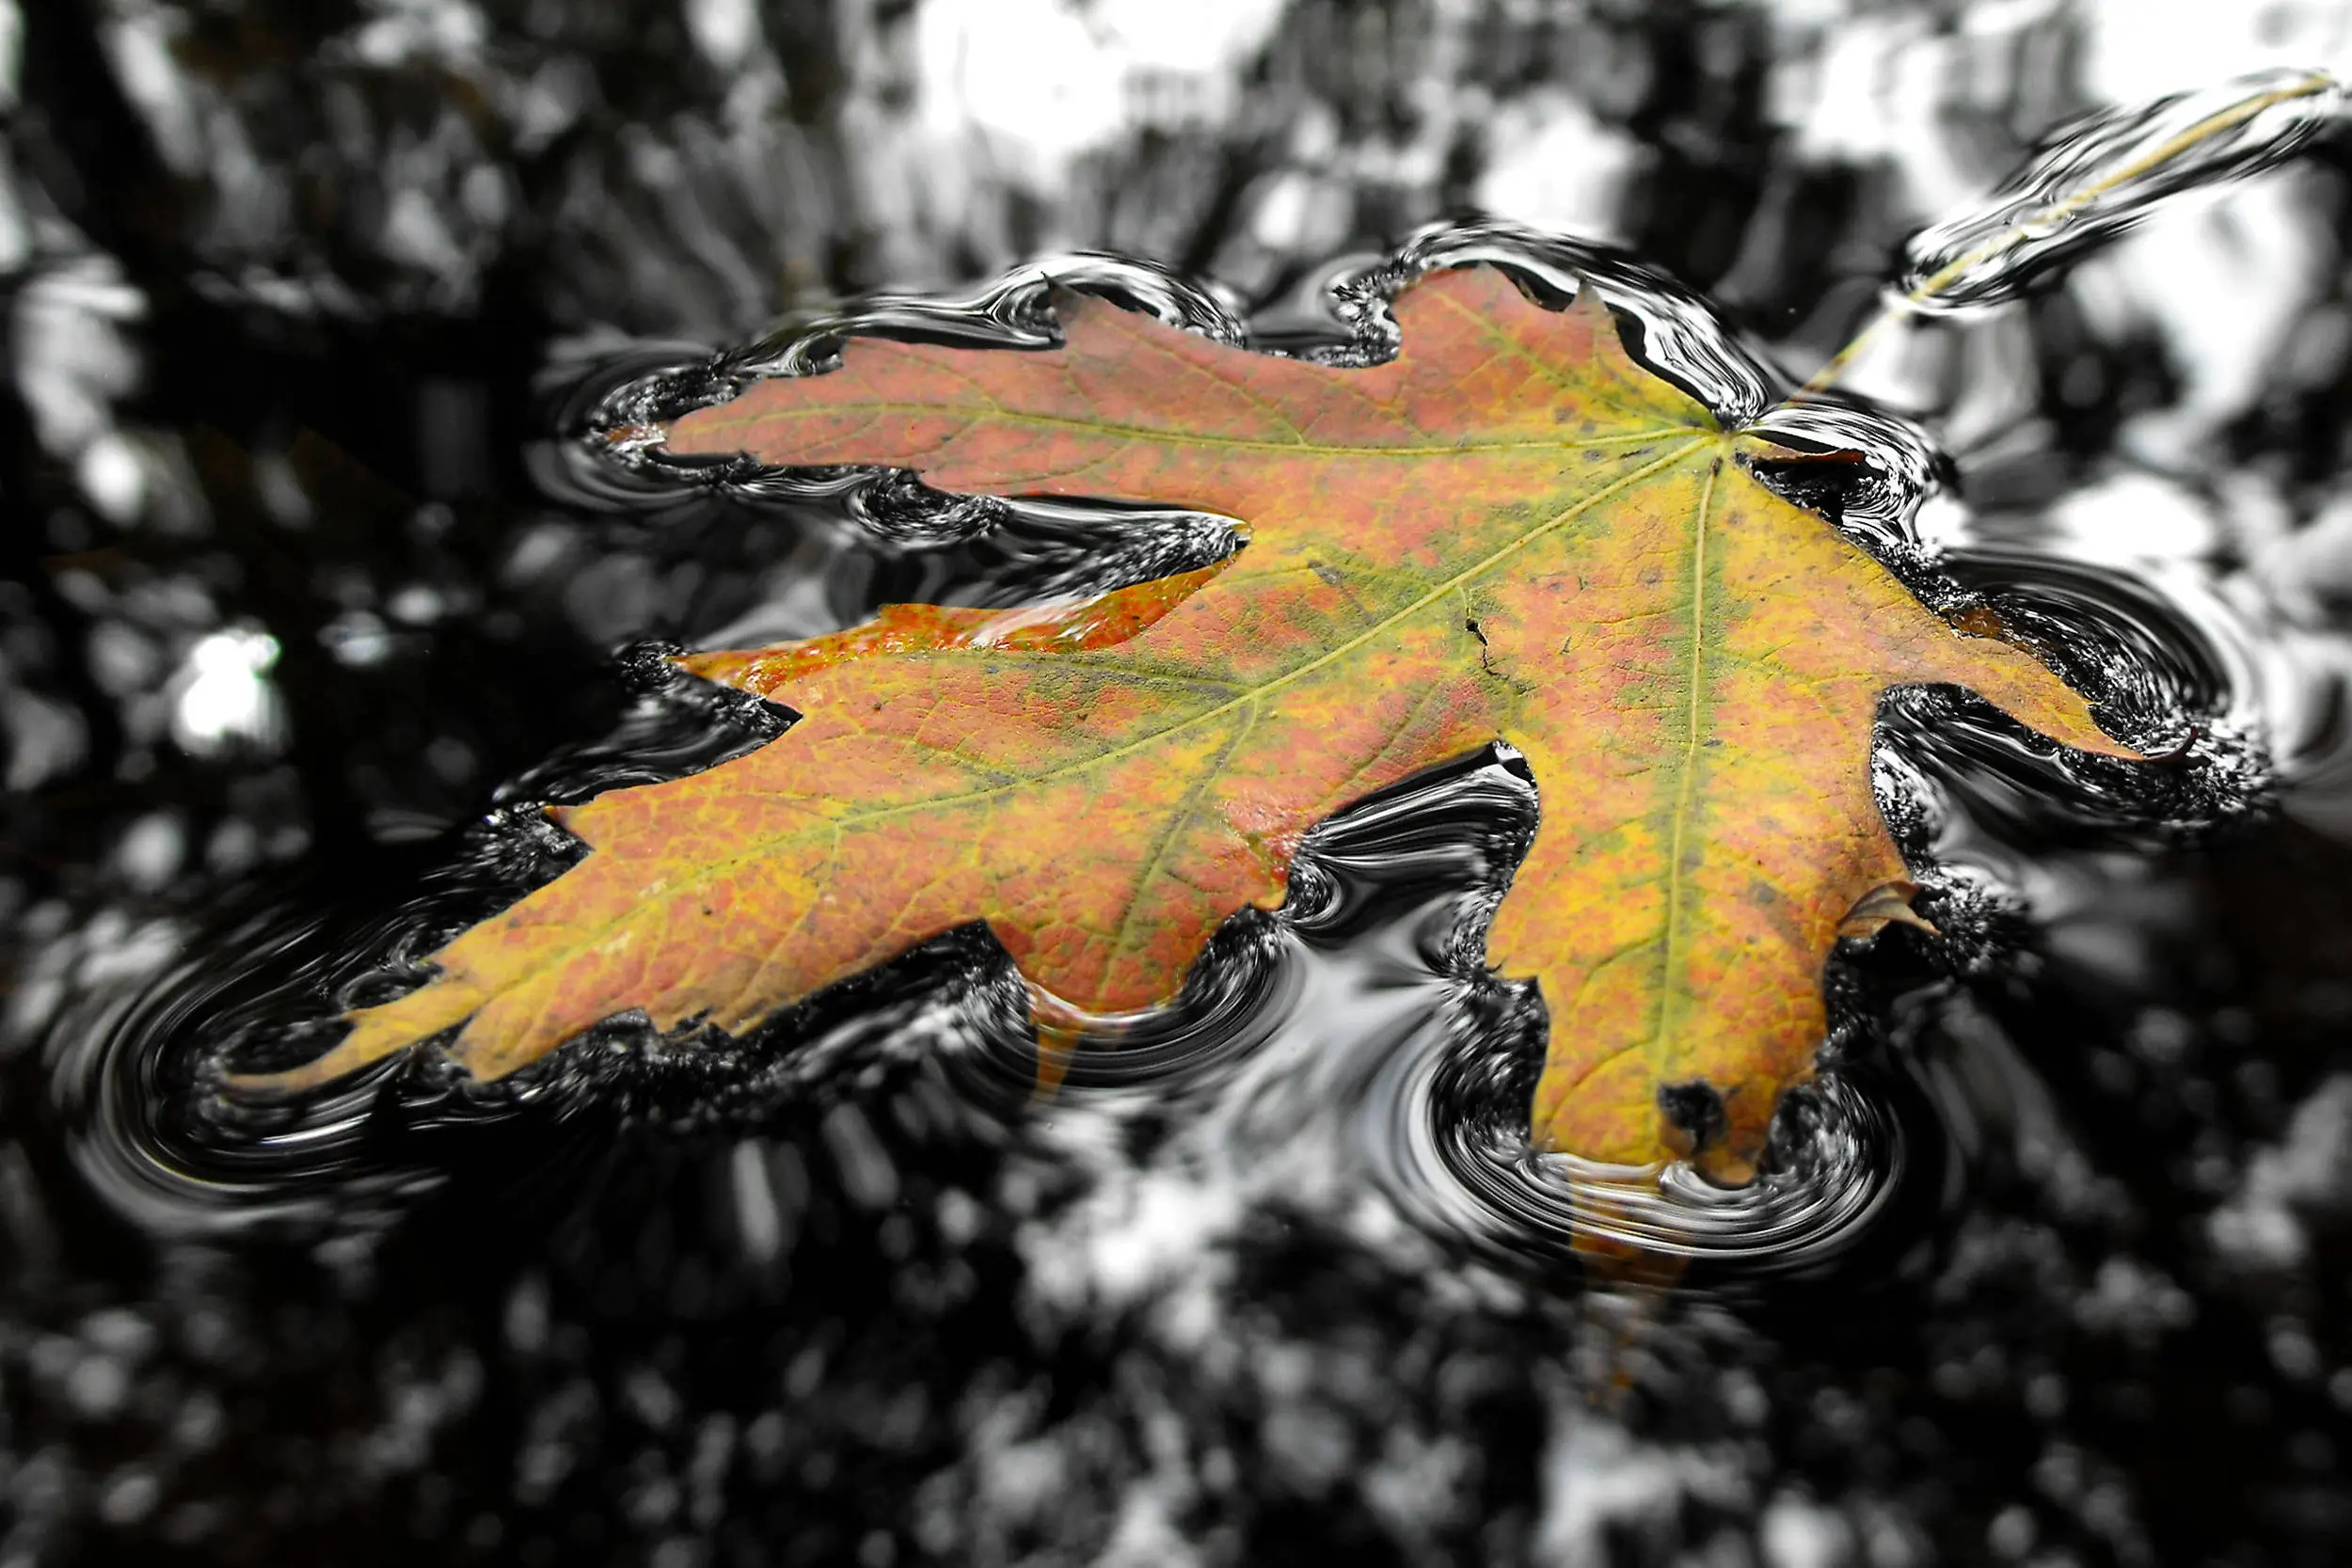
<point x="322" y="585"/>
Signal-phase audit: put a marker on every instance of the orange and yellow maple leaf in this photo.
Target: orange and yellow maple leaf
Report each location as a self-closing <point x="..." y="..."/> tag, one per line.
<point x="1511" y="531"/>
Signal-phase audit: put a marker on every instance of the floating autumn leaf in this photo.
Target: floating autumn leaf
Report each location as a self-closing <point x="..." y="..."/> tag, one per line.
<point x="1511" y="532"/>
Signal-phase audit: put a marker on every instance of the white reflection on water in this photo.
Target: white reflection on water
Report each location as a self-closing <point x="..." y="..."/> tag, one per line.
<point x="2306" y="1175"/>
<point x="223" y="695"/>
<point x="1043" y="82"/>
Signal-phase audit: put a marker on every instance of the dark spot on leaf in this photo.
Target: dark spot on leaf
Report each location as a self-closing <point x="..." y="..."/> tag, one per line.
<point x="1696" y="1108"/>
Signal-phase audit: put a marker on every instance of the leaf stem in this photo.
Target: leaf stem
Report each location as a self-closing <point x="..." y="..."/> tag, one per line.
<point x="1900" y="306"/>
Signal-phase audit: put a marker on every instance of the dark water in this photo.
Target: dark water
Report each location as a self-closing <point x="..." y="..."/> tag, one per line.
<point x="321" y="583"/>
